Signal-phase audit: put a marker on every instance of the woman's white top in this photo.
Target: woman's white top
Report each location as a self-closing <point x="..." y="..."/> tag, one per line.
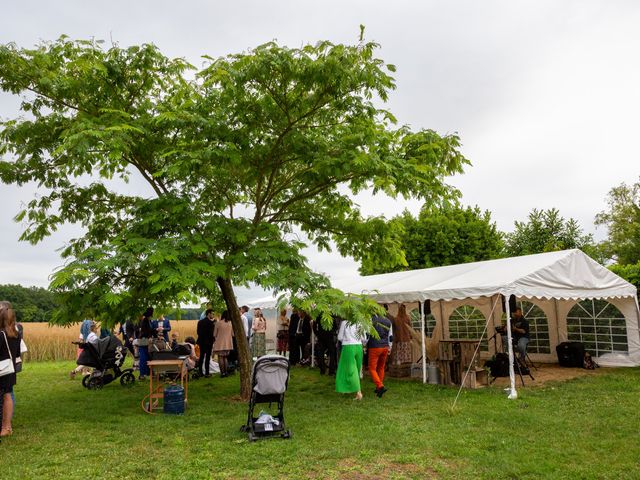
<point x="92" y="338"/>
<point x="349" y="334"/>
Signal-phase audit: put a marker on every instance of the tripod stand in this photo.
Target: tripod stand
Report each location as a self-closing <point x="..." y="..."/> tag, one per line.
<point x="519" y="366"/>
<point x="528" y="362"/>
<point x="519" y="363"/>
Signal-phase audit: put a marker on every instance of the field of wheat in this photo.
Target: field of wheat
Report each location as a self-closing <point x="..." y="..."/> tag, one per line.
<point x="47" y="342"/>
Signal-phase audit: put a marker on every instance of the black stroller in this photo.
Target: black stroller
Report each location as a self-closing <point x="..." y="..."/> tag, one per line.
<point x="106" y="358"/>
<point x="269" y="381"/>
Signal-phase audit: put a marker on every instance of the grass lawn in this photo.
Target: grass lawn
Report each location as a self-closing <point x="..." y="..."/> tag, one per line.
<point x="583" y="428"/>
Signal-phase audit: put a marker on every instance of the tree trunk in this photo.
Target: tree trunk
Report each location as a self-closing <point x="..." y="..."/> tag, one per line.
<point x="244" y="355"/>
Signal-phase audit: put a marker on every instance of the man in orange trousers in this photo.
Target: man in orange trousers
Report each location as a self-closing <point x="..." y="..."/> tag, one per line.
<point x="378" y="350"/>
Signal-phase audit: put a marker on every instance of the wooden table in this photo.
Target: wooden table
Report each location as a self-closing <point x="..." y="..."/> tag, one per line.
<point x="153" y="401"/>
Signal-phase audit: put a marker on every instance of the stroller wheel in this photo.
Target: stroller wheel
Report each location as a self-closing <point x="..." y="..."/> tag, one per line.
<point x="85" y="381"/>
<point x="127" y="379"/>
<point x="95" y="383"/>
<point x="287" y="434"/>
<point x="252" y="437"/>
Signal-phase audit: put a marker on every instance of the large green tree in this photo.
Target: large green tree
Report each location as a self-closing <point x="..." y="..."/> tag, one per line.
<point x="237" y="157"/>
<point x="622" y="219"/>
<point x="441" y="235"/>
<point x="547" y="231"/>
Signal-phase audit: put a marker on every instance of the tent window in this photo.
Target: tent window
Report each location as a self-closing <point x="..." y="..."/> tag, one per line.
<point x="429" y="322"/>
<point x="467" y="322"/>
<point x="538" y="327"/>
<point x="599" y="325"/>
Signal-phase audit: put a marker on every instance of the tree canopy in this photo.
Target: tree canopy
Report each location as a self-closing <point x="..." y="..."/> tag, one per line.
<point x="229" y="162"/>
<point x="630" y="272"/>
<point x="622" y="219"/>
<point x="442" y="235"/>
<point x="547" y="231"/>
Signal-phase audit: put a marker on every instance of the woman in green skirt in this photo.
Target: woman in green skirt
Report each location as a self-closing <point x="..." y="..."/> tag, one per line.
<point x="350" y="364"/>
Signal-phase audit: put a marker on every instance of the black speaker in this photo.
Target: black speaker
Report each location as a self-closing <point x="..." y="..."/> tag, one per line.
<point x="499" y="365"/>
<point x="570" y="354"/>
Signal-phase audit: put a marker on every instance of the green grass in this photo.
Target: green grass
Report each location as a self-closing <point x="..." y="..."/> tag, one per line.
<point x="584" y="428"/>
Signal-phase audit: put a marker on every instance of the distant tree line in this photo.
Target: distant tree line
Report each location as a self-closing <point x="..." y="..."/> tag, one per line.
<point x="36" y="304"/>
<point x="31" y="304"/>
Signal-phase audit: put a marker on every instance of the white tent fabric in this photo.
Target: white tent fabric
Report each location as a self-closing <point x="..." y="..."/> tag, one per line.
<point x="264" y="302"/>
<point x="568" y="274"/>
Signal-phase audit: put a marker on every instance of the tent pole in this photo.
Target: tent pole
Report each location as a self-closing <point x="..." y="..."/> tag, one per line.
<point x="557" y="313"/>
<point x="513" y="394"/>
<point x="637" y="315"/>
<point x="424" y="347"/>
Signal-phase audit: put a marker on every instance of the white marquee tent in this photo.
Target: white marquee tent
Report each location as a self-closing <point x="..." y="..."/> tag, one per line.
<point x="571" y="296"/>
<point x="553" y="282"/>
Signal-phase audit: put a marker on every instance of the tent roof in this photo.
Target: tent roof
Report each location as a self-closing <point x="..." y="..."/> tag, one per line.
<point x="568" y="274"/>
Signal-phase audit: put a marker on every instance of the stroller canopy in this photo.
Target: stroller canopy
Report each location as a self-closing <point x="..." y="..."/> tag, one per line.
<point x="270" y="375"/>
<point x="107" y="346"/>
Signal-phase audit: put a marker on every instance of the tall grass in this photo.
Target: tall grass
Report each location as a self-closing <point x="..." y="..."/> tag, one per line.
<point x="50" y="342"/>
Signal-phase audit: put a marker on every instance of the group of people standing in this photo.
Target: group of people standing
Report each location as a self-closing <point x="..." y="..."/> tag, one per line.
<point x="339" y="347"/>
<point x="217" y="337"/>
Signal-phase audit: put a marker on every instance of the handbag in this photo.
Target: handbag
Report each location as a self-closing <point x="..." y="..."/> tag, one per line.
<point x="6" y="366"/>
<point x="23" y="349"/>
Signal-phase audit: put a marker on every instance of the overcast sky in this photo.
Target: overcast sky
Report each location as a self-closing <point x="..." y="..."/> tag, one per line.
<point x="545" y="95"/>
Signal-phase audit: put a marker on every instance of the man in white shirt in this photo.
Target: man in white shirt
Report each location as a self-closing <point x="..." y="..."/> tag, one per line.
<point x="245" y="320"/>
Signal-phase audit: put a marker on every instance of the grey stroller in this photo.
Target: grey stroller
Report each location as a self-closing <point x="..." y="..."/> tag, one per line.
<point x="269" y="381"/>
